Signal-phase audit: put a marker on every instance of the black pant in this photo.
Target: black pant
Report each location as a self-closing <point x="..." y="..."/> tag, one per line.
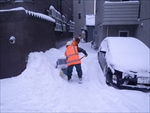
<point x="78" y="69"/>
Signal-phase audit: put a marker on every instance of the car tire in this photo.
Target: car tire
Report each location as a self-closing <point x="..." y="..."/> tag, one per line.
<point x="98" y="57"/>
<point x="108" y="75"/>
<point x="117" y="83"/>
<point x="109" y="78"/>
<point x="99" y="60"/>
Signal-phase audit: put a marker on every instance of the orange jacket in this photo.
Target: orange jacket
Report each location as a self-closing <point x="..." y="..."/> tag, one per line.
<point x="74" y="43"/>
<point x="72" y="55"/>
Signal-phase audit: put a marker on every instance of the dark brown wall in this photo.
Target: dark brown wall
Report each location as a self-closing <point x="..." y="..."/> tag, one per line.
<point x="39" y="33"/>
<point x="31" y="33"/>
<point x="40" y="6"/>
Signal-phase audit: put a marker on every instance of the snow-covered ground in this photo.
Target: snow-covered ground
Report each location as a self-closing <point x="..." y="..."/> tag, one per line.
<point x="40" y="89"/>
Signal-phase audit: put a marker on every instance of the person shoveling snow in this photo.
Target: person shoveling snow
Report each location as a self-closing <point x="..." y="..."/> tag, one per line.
<point x="72" y="59"/>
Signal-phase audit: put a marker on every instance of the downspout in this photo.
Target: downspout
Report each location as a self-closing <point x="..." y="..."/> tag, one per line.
<point x="107" y="30"/>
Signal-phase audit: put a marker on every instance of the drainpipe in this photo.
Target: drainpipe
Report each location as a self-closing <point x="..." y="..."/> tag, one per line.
<point x="107" y="30"/>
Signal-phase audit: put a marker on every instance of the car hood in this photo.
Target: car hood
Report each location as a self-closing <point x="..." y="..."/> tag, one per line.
<point x="130" y="62"/>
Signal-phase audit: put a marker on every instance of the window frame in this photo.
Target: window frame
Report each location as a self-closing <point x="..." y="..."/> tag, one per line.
<point x="3" y="1"/>
<point x="64" y="27"/>
<point x="79" y="1"/>
<point x="123" y="31"/>
<point x="15" y="1"/>
<point x="79" y="15"/>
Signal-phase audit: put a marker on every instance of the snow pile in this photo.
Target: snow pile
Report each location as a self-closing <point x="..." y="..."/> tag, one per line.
<point x="40" y="88"/>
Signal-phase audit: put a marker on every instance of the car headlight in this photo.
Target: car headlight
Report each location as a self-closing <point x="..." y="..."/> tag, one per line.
<point x="129" y="74"/>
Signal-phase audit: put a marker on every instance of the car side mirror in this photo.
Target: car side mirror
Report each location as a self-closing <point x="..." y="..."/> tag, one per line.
<point x="103" y="50"/>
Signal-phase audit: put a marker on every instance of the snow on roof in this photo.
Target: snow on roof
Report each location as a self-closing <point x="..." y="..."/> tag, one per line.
<point x="71" y="22"/>
<point x="118" y="2"/>
<point x="51" y="7"/>
<point x="13" y="9"/>
<point x="90" y="20"/>
<point x="40" y="15"/>
<point x="35" y="14"/>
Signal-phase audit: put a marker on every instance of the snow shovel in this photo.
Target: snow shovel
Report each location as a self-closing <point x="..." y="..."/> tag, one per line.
<point x="62" y="64"/>
<point x="83" y="57"/>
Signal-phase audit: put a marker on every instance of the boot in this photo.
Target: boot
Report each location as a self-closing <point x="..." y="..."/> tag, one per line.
<point x="80" y="80"/>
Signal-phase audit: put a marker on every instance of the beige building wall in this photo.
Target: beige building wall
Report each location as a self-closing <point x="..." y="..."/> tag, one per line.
<point x="83" y="7"/>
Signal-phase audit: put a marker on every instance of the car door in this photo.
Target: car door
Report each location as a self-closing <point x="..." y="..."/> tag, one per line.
<point x="102" y="53"/>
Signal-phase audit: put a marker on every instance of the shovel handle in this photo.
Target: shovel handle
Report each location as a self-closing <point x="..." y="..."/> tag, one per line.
<point x="82" y="57"/>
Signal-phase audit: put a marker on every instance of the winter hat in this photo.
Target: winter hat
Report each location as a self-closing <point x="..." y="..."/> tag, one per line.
<point x="68" y="43"/>
<point x="77" y="39"/>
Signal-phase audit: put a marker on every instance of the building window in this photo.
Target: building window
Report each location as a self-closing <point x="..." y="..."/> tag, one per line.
<point x="54" y="13"/>
<point x="129" y="0"/>
<point x="71" y="26"/>
<point x="4" y="0"/>
<point x="63" y="19"/>
<point x="58" y="27"/>
<point x="79" y="15"/>
<point x="63" y="27"/>
<point x="124" y="33"/>
<point x="121" y="0"/>
<point x="79" y="1"/>
<point x="23" y="0"/>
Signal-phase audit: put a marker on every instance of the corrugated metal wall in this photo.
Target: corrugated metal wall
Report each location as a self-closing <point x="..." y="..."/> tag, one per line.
<point x="120" y="13"/>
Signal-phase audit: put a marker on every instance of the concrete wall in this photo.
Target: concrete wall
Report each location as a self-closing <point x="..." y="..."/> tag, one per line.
<point x="28" y="39"/>
<point x="32" y="33"/>
<point x="41" y="6"/>
<point x="143" y="30"/>
<point x="99" y="29"/>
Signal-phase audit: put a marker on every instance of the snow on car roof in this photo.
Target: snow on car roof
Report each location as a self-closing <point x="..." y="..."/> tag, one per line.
<point x="127" y="45"/>
<point x="128" y="53"/>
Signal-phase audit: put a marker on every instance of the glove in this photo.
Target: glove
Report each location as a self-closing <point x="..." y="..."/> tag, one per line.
<point x="86" y="55"/>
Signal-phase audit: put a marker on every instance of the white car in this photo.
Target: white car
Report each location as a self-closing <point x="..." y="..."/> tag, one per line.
<point x="125" y="62"/>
